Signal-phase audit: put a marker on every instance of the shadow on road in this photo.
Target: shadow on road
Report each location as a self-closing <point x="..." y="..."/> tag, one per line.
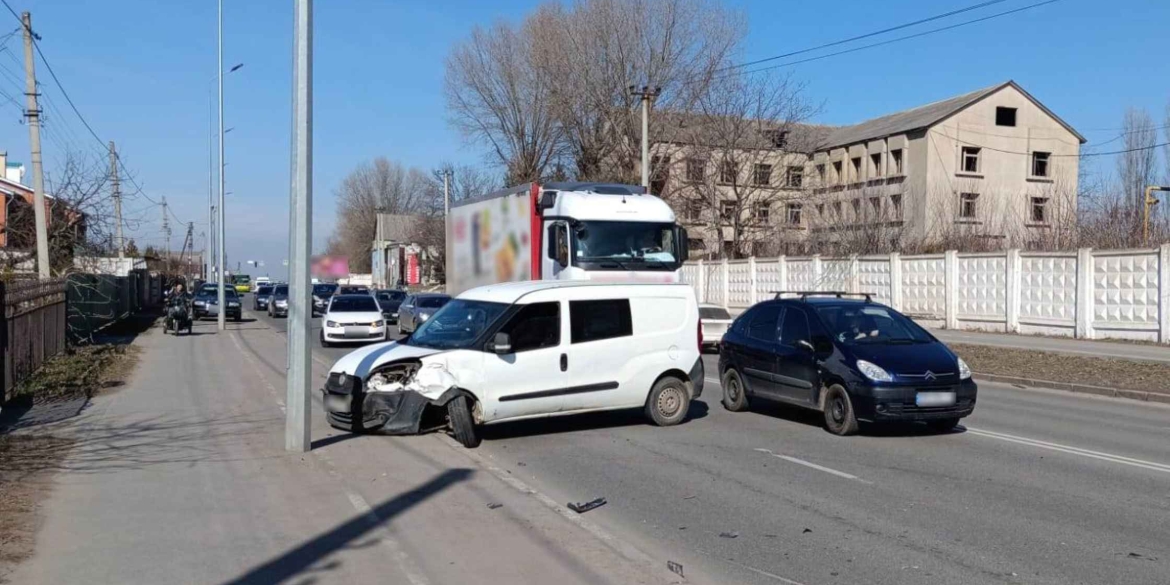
<point x="581" y="422"/>
<point x="814" y="418"/>
<point x="332" y="440"/>
<point x="303" y="560"/>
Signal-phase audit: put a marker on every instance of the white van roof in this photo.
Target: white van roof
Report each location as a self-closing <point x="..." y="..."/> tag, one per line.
<point x="510" y="292"/>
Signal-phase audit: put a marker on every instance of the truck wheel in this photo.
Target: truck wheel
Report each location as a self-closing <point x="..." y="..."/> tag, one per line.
<point x="459" y="413"/>
<point x="839" y="416"/>
<point x="734" y="394"/>
<point x="668" y="402"/>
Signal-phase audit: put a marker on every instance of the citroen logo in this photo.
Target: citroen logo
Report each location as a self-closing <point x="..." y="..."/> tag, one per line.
<point x="929" y="375"/>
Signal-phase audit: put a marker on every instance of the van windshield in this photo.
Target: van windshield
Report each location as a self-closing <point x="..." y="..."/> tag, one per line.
<point x="457" y="325"/>
<point x="871" y="325"/>
<point x="624" y="245"/>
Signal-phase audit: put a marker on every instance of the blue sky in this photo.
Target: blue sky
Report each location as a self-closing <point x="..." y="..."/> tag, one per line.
<point x="139" y="70"/>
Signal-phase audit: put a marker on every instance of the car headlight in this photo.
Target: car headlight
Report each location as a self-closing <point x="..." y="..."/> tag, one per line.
<point x="423" y="317"/>
<point x="964" y="370"/>
<point x="379" y="323"/>
<point x="330" y="324"/>
<point x="198" y="303"/>
<point x="873" y="372"/>
<point x="282" y="303"/>
<point x="394" y="315"/>
<point x="233" y="304"/>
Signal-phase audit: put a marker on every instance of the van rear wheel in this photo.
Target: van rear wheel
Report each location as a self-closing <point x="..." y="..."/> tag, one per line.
<point x="668" y="402"/>
<point x="459" y="414"/>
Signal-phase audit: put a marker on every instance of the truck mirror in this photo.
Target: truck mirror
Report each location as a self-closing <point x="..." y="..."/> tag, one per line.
<point x="552" y="241"/>
<point x="562" y="246"/>
<point x="684" y="245"/>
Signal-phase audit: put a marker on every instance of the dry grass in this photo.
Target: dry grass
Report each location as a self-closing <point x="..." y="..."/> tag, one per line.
<point x="1071" y="369"/>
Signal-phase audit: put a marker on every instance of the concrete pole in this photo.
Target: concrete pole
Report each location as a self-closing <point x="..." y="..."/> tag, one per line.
<point x="209" y="244"/>
<point x="296" y="429"/>
<point x="222" y="317"/>
<point x="117" y="196"/>
<point x="446" y="193"/>
<point x="34" y="136"/>
<point x="645" y="139"/>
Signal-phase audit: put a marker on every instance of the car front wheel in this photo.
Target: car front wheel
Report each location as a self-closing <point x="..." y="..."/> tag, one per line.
<point x="839" y="416"/>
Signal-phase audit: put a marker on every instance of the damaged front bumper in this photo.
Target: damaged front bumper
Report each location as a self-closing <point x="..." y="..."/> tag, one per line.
<point x="349" y="407"/>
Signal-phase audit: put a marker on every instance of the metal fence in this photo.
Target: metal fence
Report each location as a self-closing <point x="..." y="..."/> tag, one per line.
<point x="33" y="327"/>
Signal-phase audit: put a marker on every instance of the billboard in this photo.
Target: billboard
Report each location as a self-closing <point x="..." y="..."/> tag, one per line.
<point x="329" y="266"/>
<point x="489" y="242"/>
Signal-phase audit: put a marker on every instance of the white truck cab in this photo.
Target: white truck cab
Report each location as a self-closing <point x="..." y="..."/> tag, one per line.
<point x="524" y="350"/>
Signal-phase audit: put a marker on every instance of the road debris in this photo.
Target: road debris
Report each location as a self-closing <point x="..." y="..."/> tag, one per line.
<point x="494" y="505"/>
<point x="675" y="568"/>
<point x="806" y="531"/>
<point x="587" y="506"/>
<point x="728" y="535"/>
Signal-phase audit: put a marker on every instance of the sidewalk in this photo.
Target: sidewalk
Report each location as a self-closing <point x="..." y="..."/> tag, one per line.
<point x="181" y="477"/>
<point x="1113" y="349"/>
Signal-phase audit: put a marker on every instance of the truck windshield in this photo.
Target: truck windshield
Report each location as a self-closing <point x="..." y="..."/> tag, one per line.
<point x="624" y="245"/>
<point x="457" y="325"/>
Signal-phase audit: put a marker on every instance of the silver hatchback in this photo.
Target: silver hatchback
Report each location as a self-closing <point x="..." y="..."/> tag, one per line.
<point x="417" y="308"/>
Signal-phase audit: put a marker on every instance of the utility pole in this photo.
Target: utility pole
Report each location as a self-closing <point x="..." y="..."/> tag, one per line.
<point x="117" y="196"/>
<point x="33" y="113"/>
<point x="166" y="228"/>
<point x="446" y="193"/>
<point x="222" y="244"/>
<point x="1147" y="203"/>
<point x="297" y="412"/>
<point x="209" y="241"/>
<point x="645" y="94"/>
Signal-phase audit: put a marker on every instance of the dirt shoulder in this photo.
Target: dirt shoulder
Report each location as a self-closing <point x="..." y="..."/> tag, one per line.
<point x="1066" y="368"/>
<point x="29" y="456"/>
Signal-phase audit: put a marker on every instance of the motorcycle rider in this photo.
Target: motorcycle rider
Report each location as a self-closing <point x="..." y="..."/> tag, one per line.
<point x="176" y="305"/>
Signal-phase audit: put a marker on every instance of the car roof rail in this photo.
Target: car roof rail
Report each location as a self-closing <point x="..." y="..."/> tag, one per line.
<point x="804" y="294"/>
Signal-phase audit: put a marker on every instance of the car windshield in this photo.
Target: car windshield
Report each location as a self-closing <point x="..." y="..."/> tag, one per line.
<point x="431" y="302"/>
<point x="353" y="305"/>
<point x="354" y="290"/>
<point x="280" y="291"/>
<point x="324" y="290"/>
<point x="871" y="324"/>
<point x="713" y="313"/>
<point x="624" y="245"/>
<point x="392" y="295"/>
<point x="264" y="290"/>
<point x="457" y="325"/>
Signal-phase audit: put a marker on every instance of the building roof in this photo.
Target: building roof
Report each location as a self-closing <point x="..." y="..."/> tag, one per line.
<point x="394" y="227"/>
<point x="713" y="131"/>
<point x="924" y="117"/>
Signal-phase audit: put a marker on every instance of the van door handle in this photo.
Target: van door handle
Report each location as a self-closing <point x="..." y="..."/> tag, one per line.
<point x="564" y="362"/>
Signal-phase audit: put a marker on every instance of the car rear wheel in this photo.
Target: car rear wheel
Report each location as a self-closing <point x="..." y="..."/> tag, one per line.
<point x="942" y="425"/>
<point x="463" y="426"/>
<point x="839" y="416"/>
<point x="734" y="396"/>
<point x="668" y="402"/>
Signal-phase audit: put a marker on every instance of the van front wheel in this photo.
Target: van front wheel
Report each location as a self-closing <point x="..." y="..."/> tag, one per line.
<point x="668" y="402"/>
<point x="459" y="414"/>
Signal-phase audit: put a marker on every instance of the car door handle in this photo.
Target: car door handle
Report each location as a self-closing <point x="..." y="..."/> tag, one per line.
<point x="564" y="362"/>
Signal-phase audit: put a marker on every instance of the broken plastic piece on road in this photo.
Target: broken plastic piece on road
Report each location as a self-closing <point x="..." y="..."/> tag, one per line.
<point x="806" y="531"/>
<point x="587" y="506"/>
<point x="675" y="568"/>
<point x="494" y="505"/>
<point x="728" y="535"/>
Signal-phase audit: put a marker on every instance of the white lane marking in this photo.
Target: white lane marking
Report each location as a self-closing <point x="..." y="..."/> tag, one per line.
<point x="812" y="465"/>
<point x="1140" y="463"/>
<point x="408" y="566"/>
<point x="712" y="381"/>
<point x="766" y="574"/>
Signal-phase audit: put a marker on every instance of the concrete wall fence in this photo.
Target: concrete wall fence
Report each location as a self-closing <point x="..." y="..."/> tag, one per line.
<point x="1089" y="294"/>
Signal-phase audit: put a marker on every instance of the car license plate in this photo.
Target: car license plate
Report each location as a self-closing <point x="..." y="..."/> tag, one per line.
<point x="935" y="399"/>
<point x="335" y="403"/>
<point x="357" y="332"/>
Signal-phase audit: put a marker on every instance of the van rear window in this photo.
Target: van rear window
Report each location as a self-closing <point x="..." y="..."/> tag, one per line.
<point x="596" y="320"/>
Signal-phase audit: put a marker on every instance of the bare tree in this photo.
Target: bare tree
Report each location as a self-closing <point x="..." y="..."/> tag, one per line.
<point x="378" y="186"/>
<point x="497" y="96"/>
<point x="1136" y="167"/>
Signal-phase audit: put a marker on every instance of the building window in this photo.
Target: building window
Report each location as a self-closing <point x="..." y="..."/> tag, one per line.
<point x="795" y="177"/>
<point x="727" y="211"/>
<point x="821" y="174"/>
<point x="838" y="174"/>
<point x="692" y="210"/>
<point x="1039" y="210"/>
<point x="762" y="175"/>
<point x="696" y="170"/>
<point x="896" y="161"/>
<point x="875" y="206"/>
<point x="761" y="212"/>
<point x="659" y="174"/>
<point x="1040" y="163"/>
<point x="794" y="213"/>
<point x="779" y="138"/>
<point x="727" y="172"/>
<point x="896" y="206"/>
<point x="876" y="160"/>
<point x="970" y="160"/>
<point x="856" y="167"/>
<point x="1005" y="116"/>
<point x="856" y="209"/>
<point x="967" y="205"/>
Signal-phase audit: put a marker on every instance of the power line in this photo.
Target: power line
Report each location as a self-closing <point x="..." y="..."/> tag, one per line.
<point x="864" y="36"/>
<point x="1083" y="155"/>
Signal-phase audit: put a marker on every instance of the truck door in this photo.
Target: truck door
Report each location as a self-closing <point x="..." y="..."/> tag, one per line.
<point x="556" y="250"/>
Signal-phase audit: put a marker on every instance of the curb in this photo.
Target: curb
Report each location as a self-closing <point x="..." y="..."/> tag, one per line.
<point x="1140" y="395"/>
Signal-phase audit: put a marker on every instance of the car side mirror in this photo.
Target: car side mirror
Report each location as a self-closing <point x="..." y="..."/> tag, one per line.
<point x="502" y="344"/>
<point x="805" y="344"/>
<point x="822" y="346"/>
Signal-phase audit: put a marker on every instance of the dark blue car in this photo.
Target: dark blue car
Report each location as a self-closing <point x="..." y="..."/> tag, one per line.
<point x="844" y="355"/>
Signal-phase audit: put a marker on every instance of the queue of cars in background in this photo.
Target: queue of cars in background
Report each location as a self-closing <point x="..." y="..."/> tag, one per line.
<point x="261" y="297"/>
<point x="278" y="303"/>
<point x="416" y="308"/>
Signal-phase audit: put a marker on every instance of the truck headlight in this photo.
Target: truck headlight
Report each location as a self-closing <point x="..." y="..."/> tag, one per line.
<point x="964" y="371"/>
<point x="873" y="372"/>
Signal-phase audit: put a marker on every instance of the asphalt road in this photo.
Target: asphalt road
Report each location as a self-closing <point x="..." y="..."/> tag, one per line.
<point x="1036" y="487"/>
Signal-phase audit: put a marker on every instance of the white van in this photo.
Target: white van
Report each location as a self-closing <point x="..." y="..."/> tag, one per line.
<point x="525" y="350"/>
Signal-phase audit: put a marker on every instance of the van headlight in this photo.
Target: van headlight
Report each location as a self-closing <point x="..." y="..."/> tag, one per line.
<point x="964" y="370"/>
<point x="873" y="372"/>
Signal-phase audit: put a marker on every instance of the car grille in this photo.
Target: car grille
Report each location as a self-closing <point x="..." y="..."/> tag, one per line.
<point x="355" y="325"/>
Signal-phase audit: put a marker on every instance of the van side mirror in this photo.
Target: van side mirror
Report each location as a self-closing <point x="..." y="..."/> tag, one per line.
<point x="501" y="344"/>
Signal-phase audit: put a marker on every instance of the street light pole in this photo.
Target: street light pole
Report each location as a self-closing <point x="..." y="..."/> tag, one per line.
<point x="298" y="407"/>
<point x="222" y="317"/>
